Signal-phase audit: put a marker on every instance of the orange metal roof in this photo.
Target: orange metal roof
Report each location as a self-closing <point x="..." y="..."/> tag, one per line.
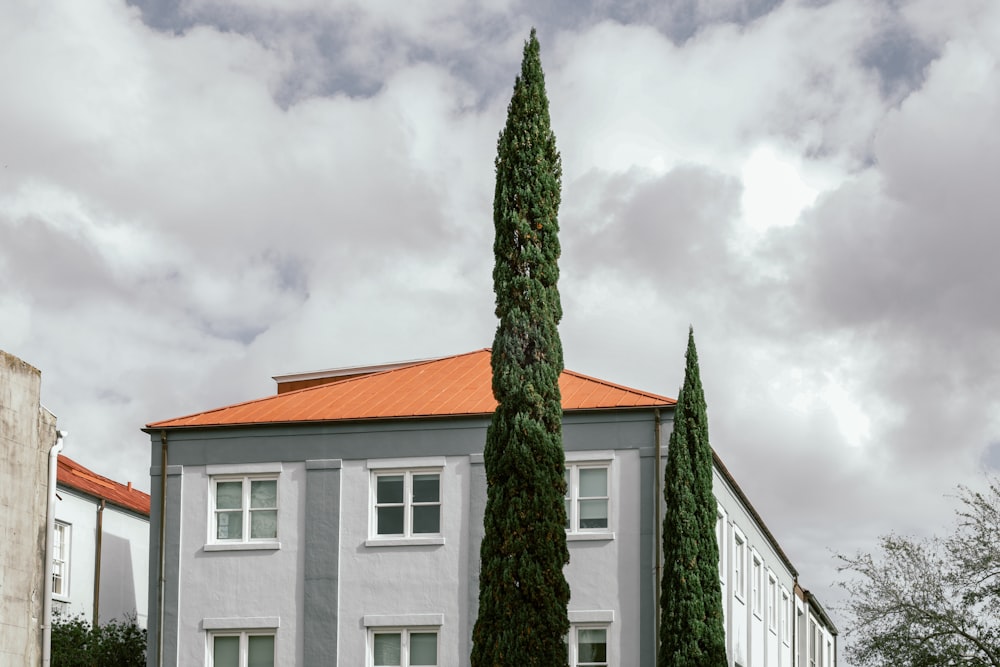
<point x="75" y="476"/>
<point x="450" y="386"/>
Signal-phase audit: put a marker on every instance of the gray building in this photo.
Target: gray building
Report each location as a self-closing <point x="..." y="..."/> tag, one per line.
<point x="339" y="522"/>
<point x="27" y="436"/>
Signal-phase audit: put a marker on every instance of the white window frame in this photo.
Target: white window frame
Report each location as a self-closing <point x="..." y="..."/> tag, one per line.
<point x="574" y="645"/>
<point x="721" y="521"/>
<point x="772" y="602"/>
<point x="244" y="637"/>
<point x="404" y="640"/>
<point x="405" y="624"/>
<point x="786" y="617"/>
<point x="739" y="564"/>
<point x="407" y="468"/>
<point x="245" y="475"/>
<point x="62" y="533"/>
<point x="756" y="583"/>
<point x="589" y="460"/>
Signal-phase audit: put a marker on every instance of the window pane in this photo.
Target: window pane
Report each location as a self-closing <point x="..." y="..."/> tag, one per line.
<point x="593" y="514"/>
<point x="427" y="519"/>
<point x="260" y="650"/>
<point x="263" y="523"/>
<point x="389" y="489"/>
<point x="264" y="493"/>
<point x="386" y="649"/>
<point x="226" y="652"/>
<point x="230" y="525"/>
<point x="593" y="482"/>
<point x="229" y="495"/>
<point x="592" y="646"/>
<point x="567" y="513"/>
<point x="423" y="648"/>
<point x="390" y="521"/>
<point x="426" y="488"/>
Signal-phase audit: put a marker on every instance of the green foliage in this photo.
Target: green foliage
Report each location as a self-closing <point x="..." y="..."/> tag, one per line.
<point x="933" y="602"/>
<point x="692" y="632"/>
<point x="115" y="644"/>
<point x="522" y="591"/>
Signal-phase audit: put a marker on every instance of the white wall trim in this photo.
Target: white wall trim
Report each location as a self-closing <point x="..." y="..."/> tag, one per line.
<point x="241" y="623"/>
<point x="243" y="468"/>
<point x="402" y="620"/>
<point x="595" y="455"/>
<point x="592" y="616"/>
<point x="408" y="463"/>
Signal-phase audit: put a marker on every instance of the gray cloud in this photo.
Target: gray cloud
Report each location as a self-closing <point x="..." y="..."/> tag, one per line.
<point x="200" y="195"/>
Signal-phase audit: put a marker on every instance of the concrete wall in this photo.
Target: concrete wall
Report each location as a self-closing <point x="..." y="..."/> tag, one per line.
<point x="27" y="431"/>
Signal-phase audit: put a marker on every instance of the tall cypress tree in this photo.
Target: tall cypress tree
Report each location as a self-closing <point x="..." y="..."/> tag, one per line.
<point x="692" y="632"/>
<point x="522" y="591"/>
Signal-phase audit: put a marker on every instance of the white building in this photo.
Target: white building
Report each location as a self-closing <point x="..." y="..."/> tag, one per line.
<point x="100" y="547"/>
<point x="339" y="523"/>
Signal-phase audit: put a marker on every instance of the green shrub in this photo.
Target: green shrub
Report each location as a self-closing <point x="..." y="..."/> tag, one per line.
<point x="75" y="643"/>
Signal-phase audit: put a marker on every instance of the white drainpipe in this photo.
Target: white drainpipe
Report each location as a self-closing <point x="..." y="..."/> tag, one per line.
<point x="50" y="523"/>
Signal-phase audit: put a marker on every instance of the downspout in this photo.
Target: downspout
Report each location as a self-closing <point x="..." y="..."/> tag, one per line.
<point x="795" y="622"/>
<point x="97" y="563"/>
<point x="50" y="524"/>
<point x="658" y="526"/>
<point x="163" y="523"/>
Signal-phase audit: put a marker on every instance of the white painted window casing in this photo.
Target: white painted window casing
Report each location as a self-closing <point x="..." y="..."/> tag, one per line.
<point x="244" y="511"/>
<point x="403" y="647"/>
<point x="241" y="648"/>
<point x="405" y="505"/>
<point x="589" y="645"/>
<point x="589" y="498"/>
<point x="61" y="536"/>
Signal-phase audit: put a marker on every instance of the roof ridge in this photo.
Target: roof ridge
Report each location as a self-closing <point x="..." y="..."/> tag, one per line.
<point x="294" y="392"/>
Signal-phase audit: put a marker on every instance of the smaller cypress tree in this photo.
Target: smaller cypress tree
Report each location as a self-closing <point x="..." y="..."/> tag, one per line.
<point x="692" y="632"/>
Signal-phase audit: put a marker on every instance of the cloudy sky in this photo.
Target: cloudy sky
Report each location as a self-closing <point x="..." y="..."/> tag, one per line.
<point x="196" y="195"/>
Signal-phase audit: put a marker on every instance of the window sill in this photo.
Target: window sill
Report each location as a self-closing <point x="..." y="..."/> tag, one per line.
<point x="589" y="537"/>
<point x="244" y="546"/>
<point x="404" y="542"/>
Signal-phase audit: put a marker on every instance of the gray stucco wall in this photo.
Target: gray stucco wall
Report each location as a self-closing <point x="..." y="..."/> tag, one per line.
<point x="27" y="431"/>
<point x="339" y="587"/>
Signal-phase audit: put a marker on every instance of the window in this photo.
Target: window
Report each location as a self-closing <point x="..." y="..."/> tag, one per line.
<point x="786" y="617"/>
<point x="587" y="498"/>
<point x="407" y="503"/>
<point x="720" y="540"/>
<point x="739" y="565"/>
<point x="402" y="647"/>
<point x="60" y="559"/>
<point x="245" y="509"/>
<point x="241" y="649"/>
<point x="755" y="583"/>
<point x="772" y="602"/>
<point x="589" y="647"/>
<point x="814" y="641"/>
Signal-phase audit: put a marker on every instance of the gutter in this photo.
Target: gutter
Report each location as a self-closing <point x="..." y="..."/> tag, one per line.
<point x="50" y="522"/>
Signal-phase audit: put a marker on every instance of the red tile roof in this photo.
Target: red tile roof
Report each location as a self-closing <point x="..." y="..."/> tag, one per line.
<point x="451" y="386"/>
<point x="73" y="475"/>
